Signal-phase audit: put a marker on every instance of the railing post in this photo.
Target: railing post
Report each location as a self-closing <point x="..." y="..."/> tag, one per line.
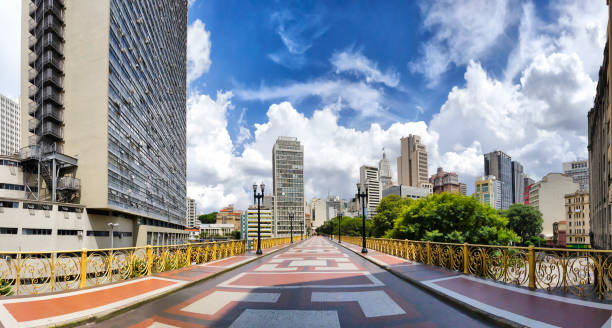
<point x="532" y="267"/>
<point x="429" y="252"/>
<point x="188" y="254"/>
<point x="232" y="248"/>
<point x="83" y="268"/>
<point x="466" y="259"/>
<point x="149" y="260"/>
<point x="214" y="254"/>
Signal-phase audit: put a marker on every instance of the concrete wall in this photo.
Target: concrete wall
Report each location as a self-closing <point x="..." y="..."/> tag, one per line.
<point x="550" y="194"/>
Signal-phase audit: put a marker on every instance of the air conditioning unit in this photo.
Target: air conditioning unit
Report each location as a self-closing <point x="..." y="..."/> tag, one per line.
<point x="80" y="233"/>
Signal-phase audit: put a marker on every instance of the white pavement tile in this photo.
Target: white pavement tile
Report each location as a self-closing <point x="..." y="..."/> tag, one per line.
<point x="308" y="263"/>
<point x="251" y="318"/>
<point x="215" y="301"/>
<point x="273" y="267"/>
<point x="373" y="303"/>
<point x="160" y="325"/>
<point x="341" y="266"/>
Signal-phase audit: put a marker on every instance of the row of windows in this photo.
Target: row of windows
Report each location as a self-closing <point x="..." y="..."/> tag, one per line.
<point x="9" y="186"/>
<point x="62" y="232"/>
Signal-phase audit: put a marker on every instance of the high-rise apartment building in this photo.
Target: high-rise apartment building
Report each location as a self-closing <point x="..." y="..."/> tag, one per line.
<point x="463" y="188"/>
<point x="10" y="126"/>
<point x="445" y="182"/>
<point x="579" y="171"/>
<point x="384" y="171"/>
<point x="334" y="206"/>
<point x="548" y="196"/>
<point x="518" y="183"/>
<point x="577" y="217"/>
<point x="191" y="213"/>
<point x="368" y="176"/>
<point x="250" y="219"/>
<point x="103" y="96"/>
<point x="288" y="185"/>
<point x="318" y="212"/>
<point x="489" y="191"/>
<point x="412" y="163"/>
<point x="499" y="164"/>
<point x="600" y="165"/>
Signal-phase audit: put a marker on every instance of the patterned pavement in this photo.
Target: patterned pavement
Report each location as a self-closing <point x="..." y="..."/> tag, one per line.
<point x="314" y="283"/>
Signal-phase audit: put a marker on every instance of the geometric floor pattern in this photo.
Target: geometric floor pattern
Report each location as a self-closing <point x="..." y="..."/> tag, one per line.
<point x="314" y="283"/>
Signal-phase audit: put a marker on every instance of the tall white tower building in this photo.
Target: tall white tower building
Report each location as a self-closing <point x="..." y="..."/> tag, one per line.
<point x="191" y="212"/>
<point x="10" y="126"/>
<point x="384" y="171"/>
<point x="368" y="175"/>
<point x="288" y="185"/>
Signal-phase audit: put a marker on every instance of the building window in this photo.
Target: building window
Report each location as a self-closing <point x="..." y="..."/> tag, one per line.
<point x="61" y="232"/>
<point x="28" y="231"/>
<point x="97" y="233"/>
<point x="8" y="231"/>
<point x="9" y="204"/>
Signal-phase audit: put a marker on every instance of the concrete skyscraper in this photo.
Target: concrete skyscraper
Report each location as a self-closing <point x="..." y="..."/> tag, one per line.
<point x="103" y="96"/>
<point x="499" y="165"/>
<point x="368" y="175"/>
<point x="518" y="183"/>
<point x="384" y="171"/>
<point x="10" y="122"/>
<point x="191" y="213"/>
<point x="579" y="171"/>
<point x="288" y="185"/>
<point x="412" y="164"/>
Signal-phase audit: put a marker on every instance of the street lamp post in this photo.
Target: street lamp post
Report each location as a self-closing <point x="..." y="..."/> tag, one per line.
<point x="291" y="215"/>
<point x="112" y="233"/>
<point x="258" y="198"/>
<point x="339" y="223"/>
<point x="362" y="194"/>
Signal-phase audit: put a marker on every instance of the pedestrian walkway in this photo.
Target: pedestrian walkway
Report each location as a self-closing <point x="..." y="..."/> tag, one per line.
<point x="315" y="283"/>
<point x="508" y="303"/>
<point x="64" y="307"/>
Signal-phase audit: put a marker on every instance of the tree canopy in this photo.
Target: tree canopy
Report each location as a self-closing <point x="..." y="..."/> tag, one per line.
<point x="525" y="220"/>
<point x="208" y="218"/>
<point x="452" y="218"/>
<point x="349" y="226"/>
<point x="388" y="210"/>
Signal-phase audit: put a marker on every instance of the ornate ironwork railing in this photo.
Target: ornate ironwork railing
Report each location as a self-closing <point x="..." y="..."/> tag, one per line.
<point x="580" y="272"/>
<point x="23" y="273"/>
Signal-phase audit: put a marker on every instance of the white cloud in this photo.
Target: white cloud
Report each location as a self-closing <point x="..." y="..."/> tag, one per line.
<point x="10" y="16"/>
<point x="366" y="99"/>
<point x="357" y="63"/>
<point x="198" y="50"/>
<point x="460" y="34"/>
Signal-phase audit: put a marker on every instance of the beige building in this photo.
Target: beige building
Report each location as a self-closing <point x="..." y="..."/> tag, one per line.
<point x="368" y="176"/>
<point x="266" y="224"/>
<point x="104" y="107"/>
<point x="10" y="122"/>
<point x="445" y="182"/>
<point x="488" y="191"/>
<point x="192" y="219"/>
<point x="317" y="212"/>
<point x="412" y="164"/>
<point x="229" y="216"/>
<point x="548" y="196"/>
<point x="577" y="217"/>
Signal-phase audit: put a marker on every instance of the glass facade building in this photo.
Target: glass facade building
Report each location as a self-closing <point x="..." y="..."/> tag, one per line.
<point x="499" y="164"/>
<point x="288" y="185"/>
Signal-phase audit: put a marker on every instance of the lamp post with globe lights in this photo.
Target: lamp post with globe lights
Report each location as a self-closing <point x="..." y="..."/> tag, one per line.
<point x="258" y="198"/>
<point x="362" y="194"/>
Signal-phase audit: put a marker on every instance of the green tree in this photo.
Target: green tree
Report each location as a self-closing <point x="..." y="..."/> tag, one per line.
<point x="525" y="220"/>
<point x="452" y="218"/>
<point x="349" y="227"/>
<point x="389" y="209"/>
<point x="235" y="234"/>
<point x="209" y="218"/>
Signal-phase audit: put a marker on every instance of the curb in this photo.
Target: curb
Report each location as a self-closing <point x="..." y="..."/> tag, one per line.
<point x="102" y="316"/>
<point x="489" y="317"/>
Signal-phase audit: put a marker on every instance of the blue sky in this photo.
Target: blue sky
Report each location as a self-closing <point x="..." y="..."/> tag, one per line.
<point x="351" y="78"/>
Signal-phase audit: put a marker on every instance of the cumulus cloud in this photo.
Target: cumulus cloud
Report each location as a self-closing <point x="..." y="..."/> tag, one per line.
<point x="459" y="35"/>
<point x="9" y="56"/>
<point x="198" y="50"/>
<point x="357" y="63"/>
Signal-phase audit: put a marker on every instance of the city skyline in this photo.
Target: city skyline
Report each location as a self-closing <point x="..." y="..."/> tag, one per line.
<point x="281" y="108"/>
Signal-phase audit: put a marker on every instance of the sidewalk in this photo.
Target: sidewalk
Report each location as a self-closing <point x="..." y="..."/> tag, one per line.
<point x="507" y="304"/>
<point x="66" y="307"/>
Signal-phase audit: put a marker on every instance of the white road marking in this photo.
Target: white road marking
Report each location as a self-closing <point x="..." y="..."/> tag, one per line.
<point x="215" y="301"/>
<point x="308" y="263"/>
<point x="251" y="318"/>
<point x="372" y="303"/>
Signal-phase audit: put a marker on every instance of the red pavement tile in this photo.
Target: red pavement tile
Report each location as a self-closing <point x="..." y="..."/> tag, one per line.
<point x="40" y="309"/>
<point x="228" y="261"/>
<point x="193" y="273"/>
<point x="542" y="309"/>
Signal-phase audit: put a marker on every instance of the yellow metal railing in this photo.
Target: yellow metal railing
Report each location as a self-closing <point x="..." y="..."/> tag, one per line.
<point x="41" y="272"/>
<point x="581" y="272"/>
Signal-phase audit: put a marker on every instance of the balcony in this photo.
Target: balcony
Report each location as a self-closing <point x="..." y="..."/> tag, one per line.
<point x="31" y="25"/>
<point x="32" y="9"/>
<point x="52" y="95"/>
<point x="49" y="40"/>
<point x="50" y="23"/>
<point x="32" y="42"/>
<point x="50" y="59"/>
<point x="32" y="58"/>
<point x="33" y="124"/>
<point x="50" y="7"/>
<point x="33" y="140"/>
<point x="69" y="183"/>
<point x="51" y="129"/>
<point x="51" y="112"/>
<point x="32" y="108"/>
<point x="32" y="91"/>
<point x="50" y="76"/>
<point x="32" y="73"/>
